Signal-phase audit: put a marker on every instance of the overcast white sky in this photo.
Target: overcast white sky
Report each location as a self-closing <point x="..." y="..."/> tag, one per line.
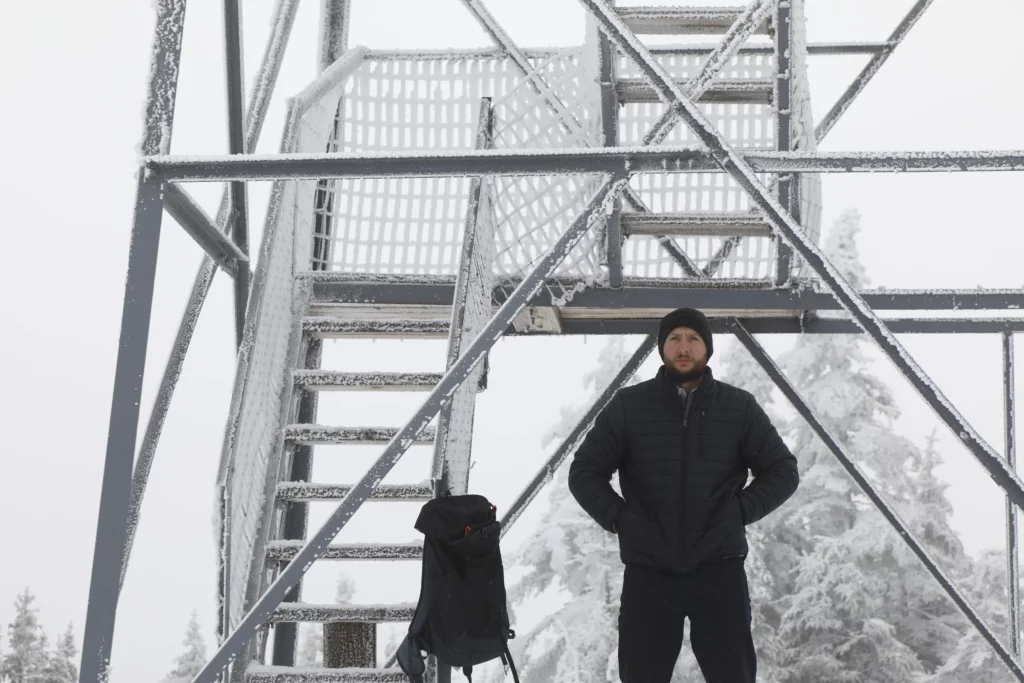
<point x="73" y="86"/>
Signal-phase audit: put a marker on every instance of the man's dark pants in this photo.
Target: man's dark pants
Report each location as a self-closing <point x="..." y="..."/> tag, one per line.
<point x="654" y="607"/>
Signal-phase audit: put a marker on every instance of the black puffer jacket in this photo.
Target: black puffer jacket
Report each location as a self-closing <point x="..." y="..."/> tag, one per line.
<point x="682" y="474"/>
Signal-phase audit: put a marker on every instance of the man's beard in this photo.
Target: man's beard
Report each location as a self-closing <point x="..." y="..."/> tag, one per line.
<point x="681" y="377"/>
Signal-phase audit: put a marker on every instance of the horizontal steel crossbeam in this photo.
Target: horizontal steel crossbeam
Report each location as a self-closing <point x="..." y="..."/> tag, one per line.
<point x="569" y="161"/>
<point x="844" y="48"/>
<point x="668" y="294"/>
<point x="797" y="325"/>
<point x="694" y="224"/>
<point x="682" y="20"/>
<point x="722" y="91"/>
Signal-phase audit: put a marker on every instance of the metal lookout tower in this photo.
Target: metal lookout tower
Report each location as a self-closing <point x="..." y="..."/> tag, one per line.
<point x="467" y="195"/>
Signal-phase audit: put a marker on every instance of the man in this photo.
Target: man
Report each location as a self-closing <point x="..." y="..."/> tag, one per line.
<point x="683" y="443"/>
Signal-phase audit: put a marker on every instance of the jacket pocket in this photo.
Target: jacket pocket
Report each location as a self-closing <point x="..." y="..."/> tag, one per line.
<point x="634" y="525"/>
<point x="724" y="519"/>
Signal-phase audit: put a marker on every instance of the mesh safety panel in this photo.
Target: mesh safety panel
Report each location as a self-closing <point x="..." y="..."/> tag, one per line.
<point x="250" y="463"/>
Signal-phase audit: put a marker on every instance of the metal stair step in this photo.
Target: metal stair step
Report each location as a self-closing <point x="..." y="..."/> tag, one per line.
<point x="283" y="551"/>
<point x="303" y="491"/>
<point x="259" y="673"/>
<point x="330" y="380"/>
<point x="722" y="91"/>
<point x="682" y="20"/>
<point x="328" y="327"/>
<point x="687" y="224"/>
<point x="311" y="435"/>
<point x="375" y="614"/>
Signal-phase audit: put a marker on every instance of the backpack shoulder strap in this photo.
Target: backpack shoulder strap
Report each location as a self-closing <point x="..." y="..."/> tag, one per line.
<point x="511" y="664"/>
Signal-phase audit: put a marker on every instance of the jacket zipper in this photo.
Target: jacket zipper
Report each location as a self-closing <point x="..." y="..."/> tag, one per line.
<point x="686" y="517"/>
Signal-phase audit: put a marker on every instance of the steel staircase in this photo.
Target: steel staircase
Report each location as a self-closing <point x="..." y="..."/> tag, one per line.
<point x="317" y="306"/>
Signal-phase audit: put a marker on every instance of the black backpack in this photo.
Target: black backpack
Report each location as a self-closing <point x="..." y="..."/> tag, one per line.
<point x="461" y="617"/>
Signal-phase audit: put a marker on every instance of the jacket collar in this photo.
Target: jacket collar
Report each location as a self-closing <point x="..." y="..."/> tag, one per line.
<point x="670" y="389"/>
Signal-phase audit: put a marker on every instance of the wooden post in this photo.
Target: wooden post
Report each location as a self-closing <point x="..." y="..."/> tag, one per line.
<point x="350" y="644"/>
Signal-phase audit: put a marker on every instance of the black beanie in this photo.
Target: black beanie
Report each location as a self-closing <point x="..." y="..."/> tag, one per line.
<point x="685" y="317"/>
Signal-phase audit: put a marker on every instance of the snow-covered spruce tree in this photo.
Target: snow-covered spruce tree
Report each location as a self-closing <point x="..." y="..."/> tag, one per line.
<point x="924" y="616"/>
<point x="972" y="658"/>
<point x="26" y="658"/>
<point x="193" y="657"/>
<point x="311" y="645"/>
<point x="578" y="642"/>
<point x="63" y="663"/>
<point x="842" y="576"/>
<point x="311" y="636"/>
<point x="345" y="589"/>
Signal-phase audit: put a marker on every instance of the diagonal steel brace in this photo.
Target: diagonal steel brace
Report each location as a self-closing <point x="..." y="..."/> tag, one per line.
<point x="734" y="164"/>
<point x="575" y="437"/>
<point x="869" y="70"/>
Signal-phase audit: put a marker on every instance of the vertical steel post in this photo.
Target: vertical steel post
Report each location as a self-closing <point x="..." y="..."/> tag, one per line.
<point x="787" y="182"/>
<point x="236" y="145"/>
<point x="334" y="22"/>
<point x="296" y="514"/>
<point x="112" y="524"/>
<point x="1012" y="561"/>
<point x="606" y="58"/>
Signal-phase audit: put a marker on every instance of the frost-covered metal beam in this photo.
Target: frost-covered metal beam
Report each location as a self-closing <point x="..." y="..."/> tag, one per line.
<point x="115" y="495"/>
<point x="296" y="514"/>
<point x="794" y="324"/>
<point x="575" y="437"/>
<point x="606" y="59"/>
<point x="866" y="48"/>
<point x="643" y="293"/>
<point x="190" y="216"/>
<point x="236" y="145"/>
<point x="1010" y="441"/>
<point x="334" y="22"/>
<point x="868" y="72"/>
<point x="441" y="394"/>
<point x="788" y="183"/>
<point x="682" y="20"/>
<point x="862" y="48"/>
<point x="890" y="513"/>
<point x="847" y="48"/>
<point x="733" y="163"/>
<point x="284" y="18"/>
<point x="471" y="308"/>
<point x="568" y="161"/>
